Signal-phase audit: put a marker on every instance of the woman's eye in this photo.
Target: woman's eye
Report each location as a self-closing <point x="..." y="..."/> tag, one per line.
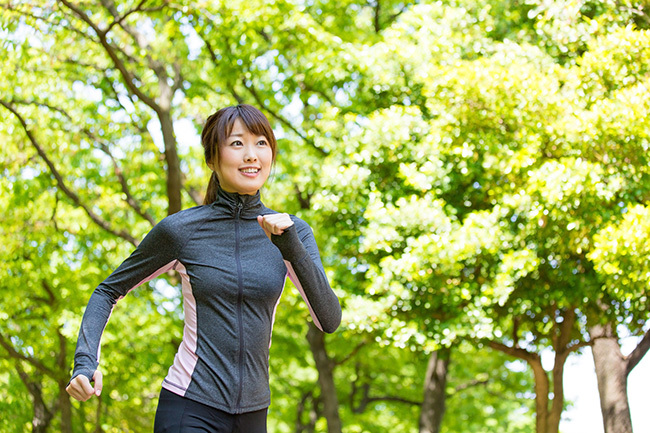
<point x="262" y="143"/>
<point x="236" y="143"/>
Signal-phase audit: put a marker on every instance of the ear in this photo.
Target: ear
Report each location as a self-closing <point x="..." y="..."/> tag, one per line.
<point x="211" y="165"/>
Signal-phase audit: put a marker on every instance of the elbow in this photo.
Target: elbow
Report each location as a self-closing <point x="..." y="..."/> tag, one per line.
<point x="331" y="325"/>
<point x="331" y="329"/>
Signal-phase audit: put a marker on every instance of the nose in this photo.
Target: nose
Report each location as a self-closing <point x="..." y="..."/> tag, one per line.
<point x="250" y="155"/>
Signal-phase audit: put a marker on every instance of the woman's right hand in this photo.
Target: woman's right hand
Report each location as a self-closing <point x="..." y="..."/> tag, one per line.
<point x="81" y="389"/>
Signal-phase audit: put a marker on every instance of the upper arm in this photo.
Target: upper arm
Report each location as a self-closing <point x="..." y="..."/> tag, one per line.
<point x="152" y="257"/>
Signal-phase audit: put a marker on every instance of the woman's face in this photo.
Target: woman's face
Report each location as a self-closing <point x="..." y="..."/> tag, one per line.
<point x="244" y="161"/>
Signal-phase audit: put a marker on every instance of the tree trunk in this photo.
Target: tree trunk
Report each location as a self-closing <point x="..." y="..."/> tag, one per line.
<point x="542" y="388"/>
<point x="98" y="415"/>
<point x="42" y="415"/>
<point x="174" y="177"/>
<point x="435" y="383"/>
<point x="63" y="398"/>
<point x="557" y="404"/>
<point x="611" y="374"/>
<point x="325" y="368"/>
<point x="548" y="412"/>
<point x="377" y="13"/>
<point x="66" y="410"/>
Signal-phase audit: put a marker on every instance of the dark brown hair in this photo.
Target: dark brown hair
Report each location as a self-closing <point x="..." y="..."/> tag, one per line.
<point x="218" y="128"/>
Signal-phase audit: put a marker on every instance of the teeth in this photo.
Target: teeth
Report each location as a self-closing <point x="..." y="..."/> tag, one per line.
<point x="250" y="170"/>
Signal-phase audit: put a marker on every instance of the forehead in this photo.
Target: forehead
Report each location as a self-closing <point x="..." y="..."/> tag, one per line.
<point x="240" y="129"/>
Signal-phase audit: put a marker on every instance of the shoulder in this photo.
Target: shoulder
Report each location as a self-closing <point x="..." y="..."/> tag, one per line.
<point x="302" y="227"/>
<point x="176" y="227"/>
<point x="184" y="218"/>
<point x="192" y="214"/>
<point x="300" y="223"/>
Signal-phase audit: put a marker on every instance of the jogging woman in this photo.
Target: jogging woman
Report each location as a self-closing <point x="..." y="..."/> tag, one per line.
<point x="233" y="255"/>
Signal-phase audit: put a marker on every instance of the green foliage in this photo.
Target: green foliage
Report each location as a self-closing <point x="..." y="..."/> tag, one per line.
<point x="487" y="391"/>
<point x="472" y="170"/>
<point x="620" y="254"/>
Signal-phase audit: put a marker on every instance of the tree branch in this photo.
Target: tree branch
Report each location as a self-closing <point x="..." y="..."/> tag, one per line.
<point x="63" y="352"/>
<point x="130" y="200"/>
<point x="9" y="6"/>
<point x="300" y="408"/>
<point x="577" y="346"/>
<point x="70" y="17"/>
<point x="282" y="120"/>
<point x="61" y="183"/>
<point x="305" y="202"/>
<point x="110" y="50"/>
<point x="119" y="19"/>
<point x="49" y="291"/>
<point x="195" y="195"/>
<point x="514" y="351"/>
<point x="565" y="328"/>
<point x="376" y="16"/>
<point x="76" y="62"/>
<point x="351" y="354"/>
<point x="310" y="88"/>
<point x="215" y="62"/>
<point x="639" y="352"/>
<point x="135" y="205"/>
<point x="140" y="40"/>
<point x="395" y="399"/>
<point x="394" y="16"/>
<point x="142" y="129"/>
<point x="258" y="99"/>
<point x="11" y="350"/>
<point x="366" y="399"/>
<point x="42" y="414"/>
<point x="472" y="383"/>
<point x="163" y="105"/>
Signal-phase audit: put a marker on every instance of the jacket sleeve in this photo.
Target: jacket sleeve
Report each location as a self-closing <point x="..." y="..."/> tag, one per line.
<point x="154" y="256"/>
<point x="300" y="252"/>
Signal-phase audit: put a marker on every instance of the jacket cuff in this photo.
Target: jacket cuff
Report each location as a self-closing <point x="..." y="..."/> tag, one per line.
<point x="289" y="244"/>
<point x="84" y="364"/>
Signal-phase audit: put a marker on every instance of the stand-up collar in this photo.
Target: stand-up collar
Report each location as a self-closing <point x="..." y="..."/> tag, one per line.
<point x="251" y="205"/>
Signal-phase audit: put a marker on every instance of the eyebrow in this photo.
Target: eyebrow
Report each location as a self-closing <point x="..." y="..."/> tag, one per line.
<point x="241" y="135"/>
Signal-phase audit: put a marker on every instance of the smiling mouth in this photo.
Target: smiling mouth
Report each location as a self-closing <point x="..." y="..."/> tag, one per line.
<point x="250" y="170"/>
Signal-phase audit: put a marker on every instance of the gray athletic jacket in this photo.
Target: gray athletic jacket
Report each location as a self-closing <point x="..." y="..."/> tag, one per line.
<point x="232" y="278"/>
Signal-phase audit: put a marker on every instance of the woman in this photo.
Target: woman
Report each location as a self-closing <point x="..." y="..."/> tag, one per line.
<point x="233" y="255"/>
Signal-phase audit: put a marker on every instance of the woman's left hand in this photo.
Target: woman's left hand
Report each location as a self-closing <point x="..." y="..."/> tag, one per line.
<point x="274" y="224"/>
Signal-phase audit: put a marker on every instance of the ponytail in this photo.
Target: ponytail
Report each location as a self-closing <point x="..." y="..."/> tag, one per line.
<point x="211" y="193"/>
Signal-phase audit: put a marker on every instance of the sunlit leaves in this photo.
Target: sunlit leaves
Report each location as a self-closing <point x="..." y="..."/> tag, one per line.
<point x="619" y="59"/>
<point x="466" y="165"/>
<point x="621" y="255"/>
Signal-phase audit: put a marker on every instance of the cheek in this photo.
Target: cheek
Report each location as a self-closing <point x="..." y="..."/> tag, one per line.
<point x="226" y="156"/>
<point x="267" y="158"/>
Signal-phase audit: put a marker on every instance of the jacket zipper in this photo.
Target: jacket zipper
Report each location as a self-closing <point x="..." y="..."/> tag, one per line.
<point x="240" y="300"/>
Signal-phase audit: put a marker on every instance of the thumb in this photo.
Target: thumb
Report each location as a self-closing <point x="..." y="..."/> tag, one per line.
<point x="260" y="220"/>
<point x="98" y="377"/>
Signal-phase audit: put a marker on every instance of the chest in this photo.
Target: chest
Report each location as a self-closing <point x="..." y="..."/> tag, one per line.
<point x="233" y="258"/>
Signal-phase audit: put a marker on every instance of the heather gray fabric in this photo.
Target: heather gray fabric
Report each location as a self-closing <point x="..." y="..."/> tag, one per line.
<point x="232" y="280"/>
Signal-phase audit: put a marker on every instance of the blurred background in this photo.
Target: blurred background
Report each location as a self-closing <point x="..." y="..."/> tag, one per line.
<point x="477" y="174"/>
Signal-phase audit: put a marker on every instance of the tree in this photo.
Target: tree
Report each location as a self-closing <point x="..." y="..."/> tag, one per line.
<point x="457" y="204"/>
<point x="613" y="79"/>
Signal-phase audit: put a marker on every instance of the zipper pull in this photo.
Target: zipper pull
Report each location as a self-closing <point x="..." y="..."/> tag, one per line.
<point x="240" y="205"/>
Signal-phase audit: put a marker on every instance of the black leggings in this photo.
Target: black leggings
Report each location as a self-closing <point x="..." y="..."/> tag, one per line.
<point x="176" y="414"/>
